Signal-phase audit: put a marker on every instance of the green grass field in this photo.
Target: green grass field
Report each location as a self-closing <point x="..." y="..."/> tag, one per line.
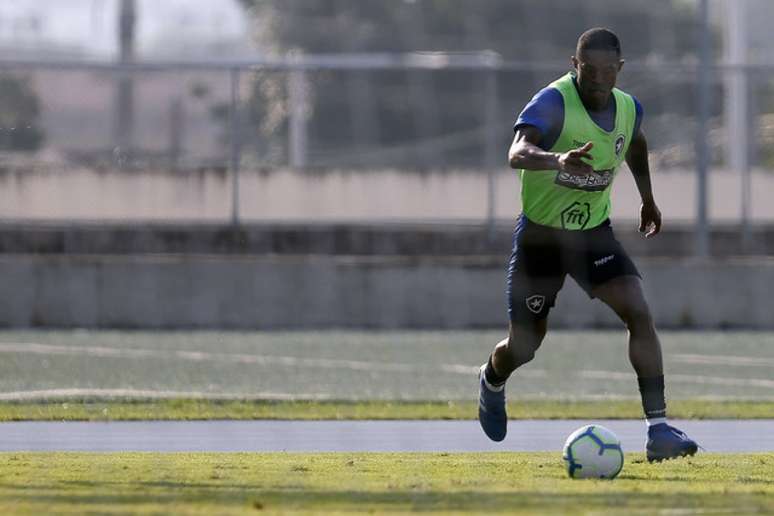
<point x="112" y="375"/>
<point x="368" y="365"/>
<point x="187" y="409"/>
<point x="521" y="483"/>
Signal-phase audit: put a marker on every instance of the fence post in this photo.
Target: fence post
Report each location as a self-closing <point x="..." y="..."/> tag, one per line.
<point x="491" y="140"/>
<point x="298" y="89"/>
<point x="702" y="147"/>
<point x="234" y="142"/>
<point x="737" y="108"/>
<point x="124" y="110"/>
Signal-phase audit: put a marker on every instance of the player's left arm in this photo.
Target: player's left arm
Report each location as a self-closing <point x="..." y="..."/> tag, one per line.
<point x="637" y="159"/>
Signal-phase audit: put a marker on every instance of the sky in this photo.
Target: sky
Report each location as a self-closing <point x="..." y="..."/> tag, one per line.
<point x="89" y="25"/>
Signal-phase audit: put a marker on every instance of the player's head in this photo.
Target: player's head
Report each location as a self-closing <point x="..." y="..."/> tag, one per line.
<point x="597" y="61"/>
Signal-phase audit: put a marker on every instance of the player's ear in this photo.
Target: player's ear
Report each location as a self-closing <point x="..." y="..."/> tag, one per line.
<point x="574" y="61"/>
<point x="621" y="63"/>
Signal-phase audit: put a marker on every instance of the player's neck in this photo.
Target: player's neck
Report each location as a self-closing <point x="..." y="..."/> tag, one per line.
<point x="593" y="107"/>
<point x="589" y="104"/>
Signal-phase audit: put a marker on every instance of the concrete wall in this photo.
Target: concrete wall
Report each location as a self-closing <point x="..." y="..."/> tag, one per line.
<point x="62" y="194"/>
<point x="383" y="239"/>
<point x="338" y="291"/>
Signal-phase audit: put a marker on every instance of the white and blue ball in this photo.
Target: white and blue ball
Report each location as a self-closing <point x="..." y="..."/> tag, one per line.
<point x="593" y="451"/>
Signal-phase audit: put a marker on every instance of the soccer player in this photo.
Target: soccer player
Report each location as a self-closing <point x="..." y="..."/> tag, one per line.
<point x="570" y="140"/>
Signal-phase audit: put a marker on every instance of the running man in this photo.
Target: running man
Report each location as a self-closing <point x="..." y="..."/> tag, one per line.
<point x="569" y="142"/>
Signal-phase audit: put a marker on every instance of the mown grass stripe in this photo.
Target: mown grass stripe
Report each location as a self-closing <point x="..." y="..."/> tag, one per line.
<point x="317" y="483"/>
<point x="199" y="409"/>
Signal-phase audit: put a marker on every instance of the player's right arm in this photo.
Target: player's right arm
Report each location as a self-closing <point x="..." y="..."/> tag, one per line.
<point x="525" y="153"/>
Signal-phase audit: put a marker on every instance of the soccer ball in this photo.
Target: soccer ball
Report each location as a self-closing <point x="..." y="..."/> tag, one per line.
<point x="593" y="451"/>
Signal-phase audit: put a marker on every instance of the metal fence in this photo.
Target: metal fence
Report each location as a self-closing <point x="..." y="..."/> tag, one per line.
<point x="371" y="110"/>
<point x="418" y="111"/>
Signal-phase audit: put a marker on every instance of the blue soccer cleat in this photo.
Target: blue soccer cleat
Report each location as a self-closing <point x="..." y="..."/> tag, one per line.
<point x="491" y="410"/>
<point x="667" y="442"/>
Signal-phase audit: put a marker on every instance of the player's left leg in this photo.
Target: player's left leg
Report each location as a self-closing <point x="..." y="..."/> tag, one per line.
<point x="625" y="296"/>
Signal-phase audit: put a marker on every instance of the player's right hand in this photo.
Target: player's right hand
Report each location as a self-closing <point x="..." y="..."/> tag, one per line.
<point x="571" y="162"/>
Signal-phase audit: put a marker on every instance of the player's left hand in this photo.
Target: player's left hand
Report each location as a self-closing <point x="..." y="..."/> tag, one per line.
<point x="650" y="219"/>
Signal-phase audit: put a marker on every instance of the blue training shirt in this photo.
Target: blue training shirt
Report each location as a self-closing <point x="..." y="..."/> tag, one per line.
<point x="546" y="112"/>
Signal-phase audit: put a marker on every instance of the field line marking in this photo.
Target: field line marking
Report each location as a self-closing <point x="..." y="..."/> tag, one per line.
<point x="105" y="395"/>
<point x="683" y="378"/>
<point x="243" y="358"/>
<point x="153" y="394"/>
<point x="733" y="360"/>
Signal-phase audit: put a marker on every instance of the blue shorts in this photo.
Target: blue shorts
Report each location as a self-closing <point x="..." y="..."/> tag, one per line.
<point x="542" y="256"/>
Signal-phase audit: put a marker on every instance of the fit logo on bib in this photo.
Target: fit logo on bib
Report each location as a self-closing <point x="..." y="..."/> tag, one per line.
<point x="576" y="215"/>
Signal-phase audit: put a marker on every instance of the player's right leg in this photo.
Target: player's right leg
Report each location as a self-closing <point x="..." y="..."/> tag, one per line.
<point x="534" y="277"/>
<point x="511" y="353"/>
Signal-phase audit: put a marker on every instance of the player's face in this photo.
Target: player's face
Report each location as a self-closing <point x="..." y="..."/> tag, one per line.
<point x="597" y="73"/>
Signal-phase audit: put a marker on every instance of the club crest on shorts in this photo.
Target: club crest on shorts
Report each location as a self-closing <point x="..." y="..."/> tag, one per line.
<point x="619" y="144"/>
<point x="535" y="303"/>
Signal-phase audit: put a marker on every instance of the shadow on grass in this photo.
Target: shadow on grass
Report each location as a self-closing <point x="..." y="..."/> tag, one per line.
<point x="171" y="494"/>
<point x="680" y="478"/>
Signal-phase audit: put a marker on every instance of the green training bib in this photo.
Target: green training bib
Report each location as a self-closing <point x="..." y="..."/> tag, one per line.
<point x="570" y="202"/>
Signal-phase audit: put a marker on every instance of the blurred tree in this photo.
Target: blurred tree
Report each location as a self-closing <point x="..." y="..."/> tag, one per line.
<point x="387" y="117"/>
<point x="546" y="29"/>
<point x="19" y="115"/>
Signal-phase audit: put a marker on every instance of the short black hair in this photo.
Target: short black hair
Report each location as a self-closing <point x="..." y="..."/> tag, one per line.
<point x="598" y="38"/>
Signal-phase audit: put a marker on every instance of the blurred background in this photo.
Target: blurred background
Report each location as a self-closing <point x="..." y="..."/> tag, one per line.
<point x="339" y="167"/>
<point x="359" y="111"/>
<point x="152" y="87"/>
